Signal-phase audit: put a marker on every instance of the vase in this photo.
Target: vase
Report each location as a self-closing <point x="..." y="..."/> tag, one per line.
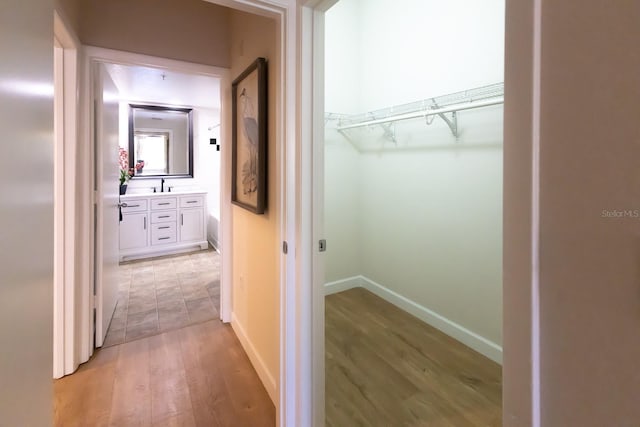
<point x="123" y="189"/>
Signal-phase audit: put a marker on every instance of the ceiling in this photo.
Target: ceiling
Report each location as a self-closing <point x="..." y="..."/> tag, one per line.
<point x="156" y="86"/>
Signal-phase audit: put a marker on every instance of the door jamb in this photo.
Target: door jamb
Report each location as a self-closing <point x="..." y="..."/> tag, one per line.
<point x="312" y="193"/>
<point x="95" y="55"/>
<point x="66" y="342"/>
<point x="524" y="314"/>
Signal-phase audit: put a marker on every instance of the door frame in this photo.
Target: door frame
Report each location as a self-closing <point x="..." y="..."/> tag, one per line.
<point x="294" y="386"/>
<point x="296" y="398"/>
<point x="521" y="265"/>
<point x="313" y="124"/>
<point x="94" y="55"/>
<point x="66" y="106"/>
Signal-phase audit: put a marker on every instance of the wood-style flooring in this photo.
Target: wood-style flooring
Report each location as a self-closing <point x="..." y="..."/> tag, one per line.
<point x="385" y="367"/>
<point x="195" y="376"/>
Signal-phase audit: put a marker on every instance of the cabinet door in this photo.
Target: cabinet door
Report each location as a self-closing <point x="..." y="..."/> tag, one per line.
<point x="133" y="231"/>
<point x="191" y="225"/>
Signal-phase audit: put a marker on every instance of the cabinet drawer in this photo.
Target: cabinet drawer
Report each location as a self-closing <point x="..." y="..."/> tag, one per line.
<point x="134" y="206"/>
<point x="163" y="233"/>
<point x="167" y="216"/>
<point x="191" y="201"/>
<point x="164" y="203"/>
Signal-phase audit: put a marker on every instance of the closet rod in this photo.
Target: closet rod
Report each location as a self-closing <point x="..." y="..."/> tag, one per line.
<point x="426" y="113"/>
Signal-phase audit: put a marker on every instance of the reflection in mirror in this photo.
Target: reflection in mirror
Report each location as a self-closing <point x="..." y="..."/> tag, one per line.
<point x="161" y="141"/>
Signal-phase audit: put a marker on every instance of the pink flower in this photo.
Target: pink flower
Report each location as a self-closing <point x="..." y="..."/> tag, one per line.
<point x="123" y="159"/>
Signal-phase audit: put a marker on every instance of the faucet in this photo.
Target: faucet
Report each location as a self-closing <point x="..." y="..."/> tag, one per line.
<point x="162" y="185"/>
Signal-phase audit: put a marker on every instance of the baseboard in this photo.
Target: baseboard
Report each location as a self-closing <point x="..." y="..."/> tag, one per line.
<point x="342" y="285"/>
<point x="480" y="344"/>
<point x="135" y="254"/>
<point x="214" y="244"/>
<point x="258" y="364"/>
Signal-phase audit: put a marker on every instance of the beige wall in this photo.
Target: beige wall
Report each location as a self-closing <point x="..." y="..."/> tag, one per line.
<point x="516" y="324"/>
<point x="255" y="237"/>
<point x="589" y="246"/>
<point x="26" y="263"/>
<point x="185" y="30"/>
<point x="590" y="263"/>
<point x="70" y="11"/>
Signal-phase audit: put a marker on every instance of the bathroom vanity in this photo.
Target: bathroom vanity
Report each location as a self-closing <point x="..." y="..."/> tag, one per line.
<point x="157" y="224"/>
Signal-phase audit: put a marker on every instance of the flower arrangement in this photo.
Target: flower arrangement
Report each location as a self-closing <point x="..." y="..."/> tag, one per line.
<point x="125" y="171"/>
<point x="123" y="160"/>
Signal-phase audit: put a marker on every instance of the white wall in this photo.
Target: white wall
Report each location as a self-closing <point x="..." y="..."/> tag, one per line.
<point x="414" y="49"/>
<point x="207" y="165"/>
<point x="343" y="211"/>
<point x="429" y="210"/>
<point x="343" y="67"/>
<point x="343" y="58"/>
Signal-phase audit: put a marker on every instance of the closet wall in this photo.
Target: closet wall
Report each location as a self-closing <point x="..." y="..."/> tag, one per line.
<point x="342" y="163"/>
<point x="419" y="218"/>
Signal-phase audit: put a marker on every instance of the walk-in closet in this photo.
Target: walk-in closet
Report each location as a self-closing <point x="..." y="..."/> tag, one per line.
<point x="413" y="166"/>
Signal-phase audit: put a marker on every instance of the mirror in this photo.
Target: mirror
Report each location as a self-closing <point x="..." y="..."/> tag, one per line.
<point x="160" y="141"/>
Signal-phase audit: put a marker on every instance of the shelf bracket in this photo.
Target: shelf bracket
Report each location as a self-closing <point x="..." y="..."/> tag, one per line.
<point x="451" y="122"/>
<point x="389" y="131"/>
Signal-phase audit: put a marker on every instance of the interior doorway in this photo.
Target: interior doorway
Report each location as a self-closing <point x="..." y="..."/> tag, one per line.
<point x="133" y="75"/>
<point x="410" y="182"/>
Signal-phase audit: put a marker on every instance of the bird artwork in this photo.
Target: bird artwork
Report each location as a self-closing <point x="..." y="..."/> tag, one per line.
<point x="250" y="131"/>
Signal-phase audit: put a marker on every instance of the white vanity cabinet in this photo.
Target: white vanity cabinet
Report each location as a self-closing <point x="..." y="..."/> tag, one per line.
<point x="191" y="218"/>
<point x="162" y="223"/>
<point x="133" y="231"/>
<point x="134" y="224"/>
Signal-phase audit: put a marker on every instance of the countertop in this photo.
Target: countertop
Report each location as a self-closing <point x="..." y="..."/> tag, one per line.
<point x="134" y="195"/>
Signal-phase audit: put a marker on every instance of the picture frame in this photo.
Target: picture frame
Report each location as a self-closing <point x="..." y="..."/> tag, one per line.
<point x="249" y="138"/>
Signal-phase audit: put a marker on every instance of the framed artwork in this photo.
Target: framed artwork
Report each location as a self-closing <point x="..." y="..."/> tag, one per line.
<point x="249" y="138"/>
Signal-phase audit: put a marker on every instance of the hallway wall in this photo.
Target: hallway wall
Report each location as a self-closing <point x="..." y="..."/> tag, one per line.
<point x="186" y="30"/>
<point x="26" y="263"/>
<point x="256" y="274"/>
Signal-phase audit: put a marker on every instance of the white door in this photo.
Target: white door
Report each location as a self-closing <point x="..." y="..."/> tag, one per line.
<point x="107" y="197"/>
<point x="191" y="225"/>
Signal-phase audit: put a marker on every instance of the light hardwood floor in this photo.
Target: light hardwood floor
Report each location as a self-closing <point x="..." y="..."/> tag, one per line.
<point x="385" y="367"/>
<point x="195" y="376"/>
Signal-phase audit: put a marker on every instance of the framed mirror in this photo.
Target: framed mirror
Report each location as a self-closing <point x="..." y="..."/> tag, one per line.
<point x="160" y="141"/>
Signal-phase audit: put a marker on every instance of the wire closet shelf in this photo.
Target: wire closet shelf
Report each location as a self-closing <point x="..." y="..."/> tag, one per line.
<point x="445" y="106"/>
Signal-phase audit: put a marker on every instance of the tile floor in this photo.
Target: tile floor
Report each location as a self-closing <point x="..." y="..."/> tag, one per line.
<point x="165" y="293"/>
